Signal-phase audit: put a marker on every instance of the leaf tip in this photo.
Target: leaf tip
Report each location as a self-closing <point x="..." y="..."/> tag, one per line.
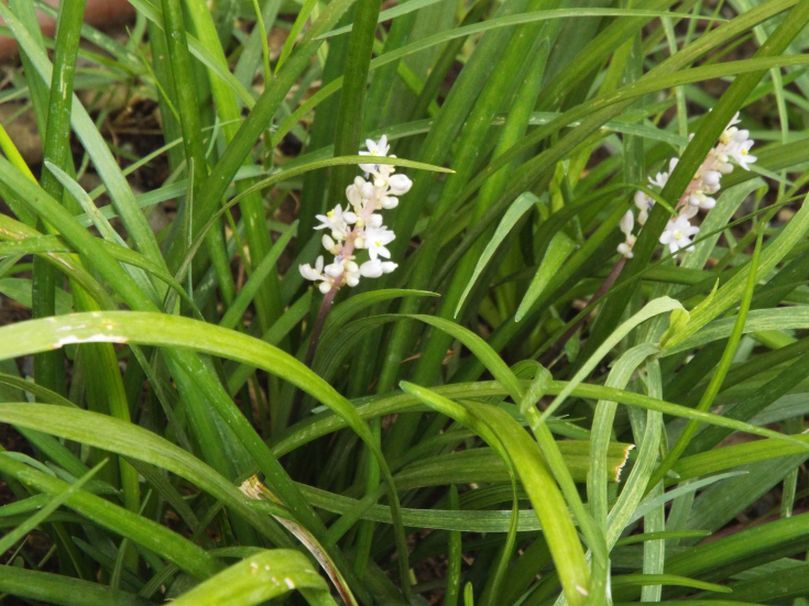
<point x="620" y="467"/>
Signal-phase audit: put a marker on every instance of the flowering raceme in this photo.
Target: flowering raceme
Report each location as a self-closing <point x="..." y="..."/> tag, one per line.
<point x="358" y="226"/>
<point x="733" y="146"/>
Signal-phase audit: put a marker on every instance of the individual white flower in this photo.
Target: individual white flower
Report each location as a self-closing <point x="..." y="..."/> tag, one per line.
<point x="741" y="154"/>
<point x="337" y="220"/>
<point x="359" y="192"/>
<point x="733" y="136"/>
<point x="315" y="274"/>
<point x="389" y="202"/>
<point x="722" y="164"/>
<point x="375" y="148"/>
<point x="736" y="144"/>
<point x="625" y="248"/>
<point x="375" y="268"/>
<point x="335" y="269"/>
<point x="399" y="184"/>
<point x="387" y="183"/>
<point x="371" y="269"/>
<point x="627" y="223"/>
<point x="659" y="180"/>
<point x="330" y="245"/>
<point x="678" y="234"/>
<point x="711" y="180"/>
<point x="312" y="273"/>
<point x="352" y="273"/>
<point x="745" y="158"/>
<point x="376" y="240"/>
<point x="643" y="203"/>
<point x="738" y="135"/>
<point x="342" y="271"/>
<point x="699" y="199"/>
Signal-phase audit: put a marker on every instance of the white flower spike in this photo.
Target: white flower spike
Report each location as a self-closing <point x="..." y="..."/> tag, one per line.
<point x="733" y="148"/>
<point x="358" y="226"/>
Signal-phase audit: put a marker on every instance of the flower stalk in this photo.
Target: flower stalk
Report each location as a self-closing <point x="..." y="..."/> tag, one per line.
<point x="356" y="227"/>
<point x="733" y="148"/>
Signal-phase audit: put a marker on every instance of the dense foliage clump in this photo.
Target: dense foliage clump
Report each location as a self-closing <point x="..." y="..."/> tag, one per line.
<point x="552" y="351"/>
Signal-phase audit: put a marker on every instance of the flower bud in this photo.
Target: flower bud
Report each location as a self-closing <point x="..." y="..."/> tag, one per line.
<point x="372" y="268"/>
<point x="399" y="184"/>
<point x="627" y="222"/>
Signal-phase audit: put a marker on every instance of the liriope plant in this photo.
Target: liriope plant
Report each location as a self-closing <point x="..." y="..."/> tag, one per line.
<point x="522" y="372"/>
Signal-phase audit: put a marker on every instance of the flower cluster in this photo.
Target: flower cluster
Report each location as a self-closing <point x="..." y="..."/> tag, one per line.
<point x="358" y="225"/>
<point x="733" y="146"/>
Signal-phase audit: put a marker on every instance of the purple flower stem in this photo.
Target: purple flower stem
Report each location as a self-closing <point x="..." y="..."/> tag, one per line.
<point x="608" y="282"/>
<point x="317" y="329"/>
